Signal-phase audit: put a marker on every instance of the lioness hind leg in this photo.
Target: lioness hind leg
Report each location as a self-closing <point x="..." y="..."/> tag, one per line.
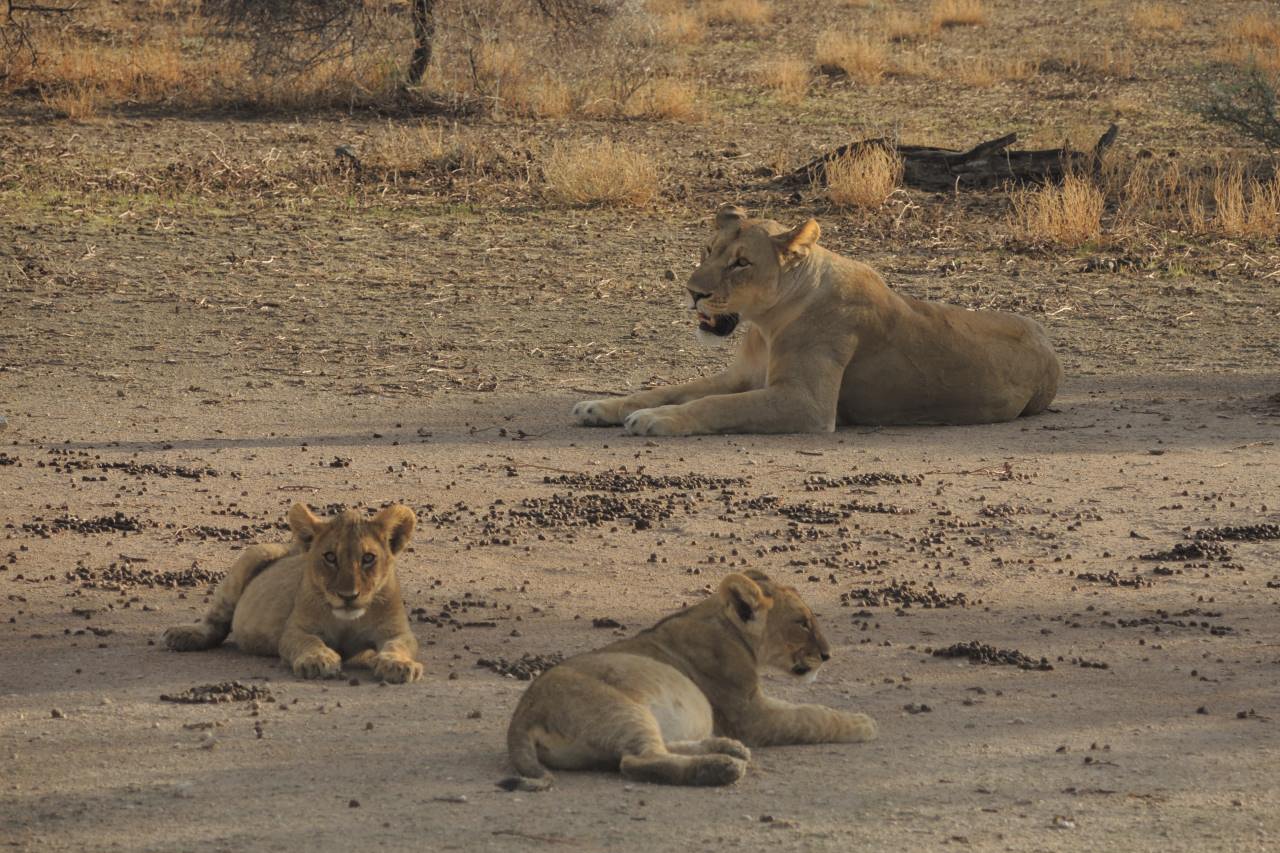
<point x="711" y="746"/>
<point x="216" y="625"/>
<point x="665" y="768"/>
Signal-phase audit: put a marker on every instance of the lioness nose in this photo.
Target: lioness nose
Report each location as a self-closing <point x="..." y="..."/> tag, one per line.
<point x="697" y="296"/>
<point x="826" y="655"/>
<point x="348" y="597"/>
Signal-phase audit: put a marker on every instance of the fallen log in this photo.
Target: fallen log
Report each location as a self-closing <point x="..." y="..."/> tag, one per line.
<point x="985" y="165"/>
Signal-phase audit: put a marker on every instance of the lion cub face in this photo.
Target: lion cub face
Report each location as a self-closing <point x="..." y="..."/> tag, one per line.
<point x="350" y="557"/>
<point x="741" y="269"/>
<point x="792" y="641"/>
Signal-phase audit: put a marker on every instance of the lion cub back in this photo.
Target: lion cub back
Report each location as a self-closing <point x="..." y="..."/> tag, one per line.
<point x="264" y="608"/>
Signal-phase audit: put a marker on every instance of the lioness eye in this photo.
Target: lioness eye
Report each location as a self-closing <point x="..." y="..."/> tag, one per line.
<point x="367" y="559"/>
<point x="742" y="262"/>
<point x="330" y="557"/>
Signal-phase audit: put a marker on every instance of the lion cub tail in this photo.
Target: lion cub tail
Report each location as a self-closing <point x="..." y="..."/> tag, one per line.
<point x="216" y="625"/>
<point x="523" y="751"/>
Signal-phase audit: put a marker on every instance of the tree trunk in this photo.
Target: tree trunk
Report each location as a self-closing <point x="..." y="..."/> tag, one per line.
<point x="424" y="33"/>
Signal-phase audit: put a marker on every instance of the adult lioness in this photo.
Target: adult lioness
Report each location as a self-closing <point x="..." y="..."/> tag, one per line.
<point x="680" y="703"/>
<point x="830" y="343"/>
<point x="330" y="594"/>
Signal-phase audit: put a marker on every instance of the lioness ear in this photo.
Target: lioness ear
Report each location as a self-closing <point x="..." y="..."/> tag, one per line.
<point x="397" y="523"/>
<point x="743" y="598"/>
<point x="729" y="214"/>
<point x="798" y="240"/>
<point x="304" y="524"/>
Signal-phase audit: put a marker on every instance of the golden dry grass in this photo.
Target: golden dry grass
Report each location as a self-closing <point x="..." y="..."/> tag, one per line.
<point x="957" y="13"/>
<point x="864" y="178"/>
<point x="857" y="56"/>
<point x="681" y="26"/>
<point x="665" y="98"/>
<point x="913" y="63"/>
<point x="904" y="26"/>
<point x="1246" y="208"/>
<point x="599" y="172"/>
<point x="1257" y="29"/>
<point x="787" y="76"/>
<point x="749" y="12"/>
<point x="978" y="72"/>
<point x="1066" y="215"/>
<point x="1155" y="17"/>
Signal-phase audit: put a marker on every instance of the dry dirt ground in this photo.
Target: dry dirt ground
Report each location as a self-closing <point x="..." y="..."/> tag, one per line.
<point x="198" y="414"/>
<point x="198" y="328"/>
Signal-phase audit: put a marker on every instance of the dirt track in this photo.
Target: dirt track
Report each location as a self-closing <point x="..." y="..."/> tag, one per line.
<point x="374" y="373"/>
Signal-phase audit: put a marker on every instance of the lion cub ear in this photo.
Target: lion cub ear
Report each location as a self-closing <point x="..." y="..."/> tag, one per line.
<point x="743" y="598"/>
<point x="799" y="240"/>
<point x="396" y="522"/>
<point x="729" y="214"/>
<point x="305" y="524"/>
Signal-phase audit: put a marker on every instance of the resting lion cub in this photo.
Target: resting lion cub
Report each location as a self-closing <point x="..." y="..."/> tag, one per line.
<point x="679" y="703"/>
<point x="329" y="595"/>
<point x="829" y="343"/>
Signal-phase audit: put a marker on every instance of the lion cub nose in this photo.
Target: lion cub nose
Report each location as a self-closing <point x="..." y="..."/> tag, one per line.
<point x="826" y="656"/>
<point x="348" y="597"/>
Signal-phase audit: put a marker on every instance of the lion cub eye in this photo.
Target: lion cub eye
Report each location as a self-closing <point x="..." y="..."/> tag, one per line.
<point x="330" y="557"/>
<point x="741" y="262"/>
<point x="367" y="559"/>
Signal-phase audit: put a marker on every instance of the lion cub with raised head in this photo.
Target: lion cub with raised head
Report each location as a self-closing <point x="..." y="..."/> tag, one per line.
<point x="330" y="595"/>
<point x="829" y="343"/>
<point x="680" y="703"/>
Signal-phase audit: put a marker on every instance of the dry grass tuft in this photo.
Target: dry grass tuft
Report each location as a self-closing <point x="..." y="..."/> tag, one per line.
<point x="787" y="76"/>
<point x="1246" y="208"/>
<point x="914" y="63"/>
<point x="979" y="73"/>
<point x="78" y="102"/>
<point x="749" y="12"/>
<point x="665" y="98"/>
<point x="682" y="26"/>
<point x="864" y="178"/>
<point x="1257" y="29"/>
<point x="957" y="13"/>
<point x="903" y="26"/>
<point x="1155" y="17"/>
<point x="1066" y="215"/>
<point x="599" y="172"/>
<point x="857" y="56"/>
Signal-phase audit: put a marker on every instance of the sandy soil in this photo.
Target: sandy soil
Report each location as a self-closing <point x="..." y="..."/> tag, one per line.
<point x="370" y="374"/>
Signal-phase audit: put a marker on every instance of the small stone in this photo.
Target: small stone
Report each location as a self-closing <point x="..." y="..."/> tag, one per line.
<point x="57" y="714"/>
<point x="353" y="804"/>
<point x="473" y="715"/>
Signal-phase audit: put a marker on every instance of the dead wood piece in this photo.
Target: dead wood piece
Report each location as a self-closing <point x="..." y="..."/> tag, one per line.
<point x="985" y="165"/>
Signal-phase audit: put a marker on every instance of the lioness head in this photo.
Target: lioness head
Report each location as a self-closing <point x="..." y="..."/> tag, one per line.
<point x="350" y="555"/>
<point x="740" y="274"/>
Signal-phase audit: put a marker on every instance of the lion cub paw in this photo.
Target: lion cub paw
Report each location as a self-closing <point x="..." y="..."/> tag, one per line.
<point x="718" y="770"/>
<point x="396" y="670"/>
<point x="597" y="413"/>
<point x="728" y="746"/>
<point x="660" y="421"/>
<point x="325" y="663"/>
<point x="188" y="638"/>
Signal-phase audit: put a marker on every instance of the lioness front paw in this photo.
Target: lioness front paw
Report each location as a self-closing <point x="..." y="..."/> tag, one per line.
<point x="664" y="420"/>
<point x="396" y="670"/>
<point x="325" y="663"/>
<point x="598" y="413"/>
